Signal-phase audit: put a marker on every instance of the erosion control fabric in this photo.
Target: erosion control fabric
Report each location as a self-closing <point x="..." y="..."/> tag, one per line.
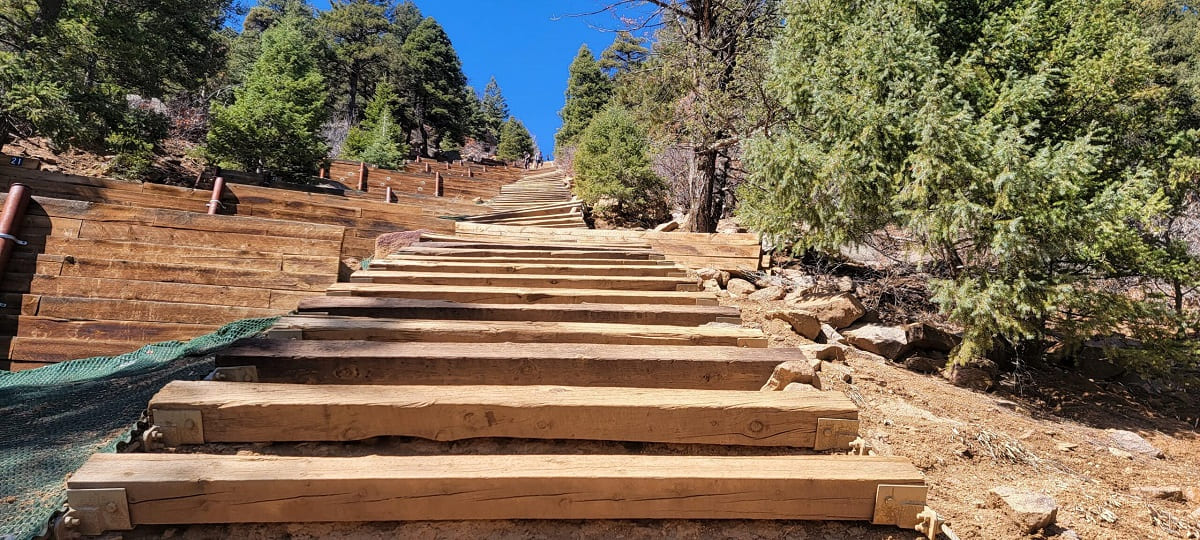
<point x="53" y="418"/>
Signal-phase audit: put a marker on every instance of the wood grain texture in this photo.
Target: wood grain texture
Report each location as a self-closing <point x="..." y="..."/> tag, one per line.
<point x="522" y="280"/>
<point x="572" y="364"/>
<point x="181" y="489"/>
<point x="401" y="308"/>
<point x="560" y="269"/>
<point x="518" y="295"/>
<point x="264" y="412"/>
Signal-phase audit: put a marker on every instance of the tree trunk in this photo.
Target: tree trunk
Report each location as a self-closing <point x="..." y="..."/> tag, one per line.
<point x="352" y="105"/>
<point x="701" y="177"/>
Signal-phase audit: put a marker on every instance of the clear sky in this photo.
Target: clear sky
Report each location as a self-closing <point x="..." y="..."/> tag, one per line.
<point x="526" y="45"/>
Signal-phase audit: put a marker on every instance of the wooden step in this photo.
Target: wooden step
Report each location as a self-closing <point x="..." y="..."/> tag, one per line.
<point x="402" y="308"/>
<point x="422" y="249"/>
<point x="368" y="329"/>
<point x="472" y="267"/>
<point x="520" y="295"/>
<point x="618" y="246"/>
<point x="265" y="412"/>
<point x="571" y="364"/>
<point x="181" y="489"/>
<point x="407" y="256"/>
<point x="525" y="280"/>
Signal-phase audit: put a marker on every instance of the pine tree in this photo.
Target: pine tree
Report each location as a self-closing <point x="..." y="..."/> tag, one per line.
<point x="355" y="29"/>
<point x="435" y="82"/>
<point x="613" y="172"/>
<point x="515" y="141"/>
<point x="378" y="139"/>
<point x="495" y="107"/>
<point x="624" y="55"/>
<point x="588" y="91"/>
<point x="275" y="120"/>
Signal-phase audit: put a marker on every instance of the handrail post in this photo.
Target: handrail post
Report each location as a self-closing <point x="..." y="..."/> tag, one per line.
<point x="387" y="195"/>
<point x="438" y="185"/>
<point x="215" y="201"/>
<point x="10" y="222"/>
<point x="362" y="176"/>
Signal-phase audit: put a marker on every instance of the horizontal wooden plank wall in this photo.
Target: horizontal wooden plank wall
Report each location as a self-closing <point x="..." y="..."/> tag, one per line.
<point x="734" y="252"/>
<point x="101" y="279"/>
<point x="464" y="181"/>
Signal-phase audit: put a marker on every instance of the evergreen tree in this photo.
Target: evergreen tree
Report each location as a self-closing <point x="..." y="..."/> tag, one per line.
<point x="1028" y="147"/>
<point x="275" y="120"/>
<point x="495" y="107"/>
<point x="515" y="141"/>
<point x="355" y="29"/>
<point x="613" y="172"/>
<point x="383" y="150"/>
<point x="435" y="82"/>
<point x="624" y="55"/>
<point x="379" y="129"/>
<point x="588" y="91"/>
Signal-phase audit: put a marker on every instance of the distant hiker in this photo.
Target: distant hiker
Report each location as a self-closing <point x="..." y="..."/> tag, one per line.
<point x="539" y="160"/>
<point x="527" y="159"/>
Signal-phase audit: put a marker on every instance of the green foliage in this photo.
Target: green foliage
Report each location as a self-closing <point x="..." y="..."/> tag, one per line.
<point x="275" y="119"/>
<point x="134" y="142"/>
<point x="494" y="108"/>
<point x="355" y="30"/>
<point x="434" y="82"/>
<point x="613" y="172"/>
<point x="624" y="55"/>
<point x="378" y="139"/>
<point x="588" y="92"/>
<point x="515" y="141"/>
<point x="1023" y="145"/>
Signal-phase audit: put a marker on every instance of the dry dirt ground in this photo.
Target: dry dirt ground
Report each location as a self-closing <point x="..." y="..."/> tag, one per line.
<point x="966" y="442"/>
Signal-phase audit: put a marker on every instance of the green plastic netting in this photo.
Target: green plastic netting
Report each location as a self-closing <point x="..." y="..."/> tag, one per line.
<point x="53" y="418"/>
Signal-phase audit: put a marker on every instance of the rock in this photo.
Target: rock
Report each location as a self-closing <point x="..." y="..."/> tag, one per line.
<point x="711" y="285"/>
<point x="838" y="311"/>
<point x="478" y="200"/>
<point x="831" y="335"/>
<point x="925" y="364"/>
<point x="792" y="371"/>
<point x="720" y="276"/>
<point x="1108" y="515"/>
<point x="1132" y="442"/>
<point x="1067" y="447"/>
<point x="887" y="341"/>
<point x="1098" y="369"/>
<point x="387" y="244"/>
<point x="1032" y="511"/>
<point x="1191" y="493"/>
<point x="769" y="294"/>
<point x="829" y="352"/>
<point x="1068" y="534"/>
<point x="800" y="387"/>
<point x="803" y="323"/>
<point x="668" y="226"/>
<point x="1195" y="515"/>
<point x="1118" y="453"/>
<point x="977" y="375"/>
<point x="1168" y="493"/>
<point x="740" y="287"/>
<point x="845" y="284"/>
<point x="928" y="337"/>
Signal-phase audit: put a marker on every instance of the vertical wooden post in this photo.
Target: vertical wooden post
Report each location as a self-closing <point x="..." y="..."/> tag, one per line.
<point x="470" y="172"/>
<point x="447" y="165"/>
<point x="387" y="195"/>
<point x="362" y="176"/>
<point x="323" y="172"/>
<point x="427" y="168"/>
<point x="215" y="201"/>
<point x="10" y="221"/>
<point x="437" y="184"/>
<point x="485" y="168"/>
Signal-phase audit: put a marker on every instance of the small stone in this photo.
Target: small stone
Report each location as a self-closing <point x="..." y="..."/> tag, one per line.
<point x="792" y="371"/>
<point x="740" y="287"/>
<point x="924" y="364"/>
<point x="1067" y="447"/>
<point x="769" y="294"/>
<point x="802" y="322"/>
<point x="1108" y="516"/>
<point x="848" y="379"/>
<point x="831" y="335"/>
<point x="1118" y="453"/>
<point x="1032" y="511"/>
<point x="979" y="503"/>
<point x="887" y="341"/>
<point x="928" y="337"/>
<point x="800" y="387"/>
<point x="1132" y="442"/>
<point x="1068" y="534"/>
<point x="1191" y="493"/>
<point x="711" y="285"/>
<point x="1167" y="493"/>
<point x="825" y="351"/>
<point x="720" y="276"/>
<point x="839" y="310"/>
<point x="1195" y="515"/>
<point x="977" y="375"/>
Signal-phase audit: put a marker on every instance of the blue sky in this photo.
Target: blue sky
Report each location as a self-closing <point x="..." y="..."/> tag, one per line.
<point x="526" y="45"/>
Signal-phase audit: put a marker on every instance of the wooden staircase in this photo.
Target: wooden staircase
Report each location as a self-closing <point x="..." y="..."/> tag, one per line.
<point x="448" y="340"/>
<point x="540" y="200"/>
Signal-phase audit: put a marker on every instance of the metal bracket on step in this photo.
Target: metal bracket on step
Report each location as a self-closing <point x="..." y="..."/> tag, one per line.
<point x="835" y="433"/>
<point x="899" y="505"/>
<point x="93" y="511"/>
<point x="859" y="447"/>
<point x="236" y="374"/>
<point x="930" y="524"/>
<point x="177" y="427"/>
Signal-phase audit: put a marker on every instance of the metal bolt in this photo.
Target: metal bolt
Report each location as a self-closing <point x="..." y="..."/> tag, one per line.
<point x="111" y="507"/>
<point x="219" y="376"/>
<point x="189" y="424"/>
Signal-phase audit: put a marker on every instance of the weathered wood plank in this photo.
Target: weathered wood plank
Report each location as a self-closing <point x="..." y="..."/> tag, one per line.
<point x="519" y="295"/>
<point x="571" y="364"/>
<point x="482" y="267"/>
<point x="136" y="310"/>
<point x="400" y="308"/>
<point x="330" y="327"/>
<point x="523" y="280"/>
<point x="265" y="412"/>
<point x="192" y="488"/>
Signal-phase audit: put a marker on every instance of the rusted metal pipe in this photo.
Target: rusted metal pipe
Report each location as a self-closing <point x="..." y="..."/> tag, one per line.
<point x="387" y="195"/>
<point x="362" y="176"/>
<point x="10" y="222"/>
<point x="437" y="186"/>
<point x="323" y="173"/>
<point x="215" y="203"/>
<point x="470" y="172"/>
<point x="447" y="165"/>
<point x="427" y="169"/>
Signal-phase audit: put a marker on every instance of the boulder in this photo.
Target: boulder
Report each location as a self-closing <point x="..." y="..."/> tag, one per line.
<point x="387" y="244"/>
<point x="740" y="287"/>
<point x="710" y="285"/>
<point x="668" y="226"/>
<point x="1133" y="443"/>
<point x="768" y="294"/>
<point x="831" y="335"/>
<point x="793" y="371"/>
<point x="925" y="363"/>
<point x="829" y="352"/>
<point x="1032" y="511"/>
<point x="1168" y="493"/>
<point x="720" y="276"/>
<point x="1191" y="493"/>
<point x="887" y="341"/>
<point x="800" y="387"/>
<point x="931" y="338"/>
<point x="838" y="310"/>
<point x="803" y="323"/>
<point x="977" y="375"/>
